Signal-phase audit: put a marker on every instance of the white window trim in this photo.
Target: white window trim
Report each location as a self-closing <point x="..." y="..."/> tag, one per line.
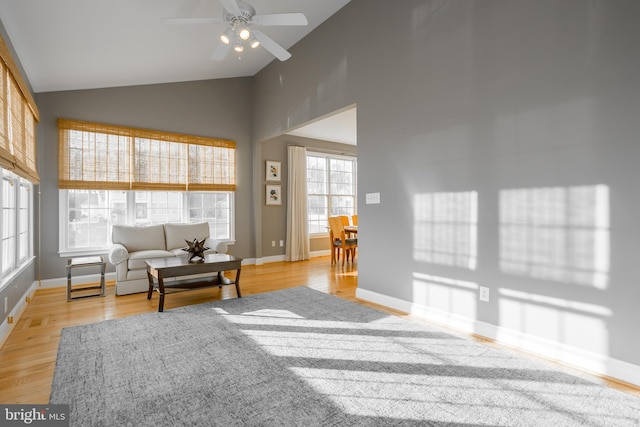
<point x="20" y="265"/>
<point x="311" y="152"/>
<point x="63" y="201"/>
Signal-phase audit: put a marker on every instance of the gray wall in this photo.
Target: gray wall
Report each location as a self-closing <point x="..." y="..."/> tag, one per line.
<point x="522" y="104"/>
<point x="215" y="108"/>
<point x="527" y="105"/>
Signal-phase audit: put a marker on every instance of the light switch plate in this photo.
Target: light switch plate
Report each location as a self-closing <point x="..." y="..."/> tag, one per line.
<point x="372" y="198"/>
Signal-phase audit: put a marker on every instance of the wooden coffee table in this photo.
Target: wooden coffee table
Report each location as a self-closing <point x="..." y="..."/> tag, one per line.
<point x="163" y="268"/>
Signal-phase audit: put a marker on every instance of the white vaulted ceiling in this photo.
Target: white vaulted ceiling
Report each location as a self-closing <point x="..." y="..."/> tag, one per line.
<point x="83" y="44"/>
<point x="338" y="127"/>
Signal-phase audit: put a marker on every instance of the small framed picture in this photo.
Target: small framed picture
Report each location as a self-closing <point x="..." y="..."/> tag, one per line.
<point x="273" y="171"/>
<point x="274" y="196"/>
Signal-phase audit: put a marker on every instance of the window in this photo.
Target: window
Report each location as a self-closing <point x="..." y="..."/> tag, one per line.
<point x="8" y="224"/>
<point x="118" y="175"/>
<point x="15" y="194"/>
<point x="18" y="115"/>
<point x="331" y="189"/>
<point x="91" y="213"/>
<point x="24" y="220"/>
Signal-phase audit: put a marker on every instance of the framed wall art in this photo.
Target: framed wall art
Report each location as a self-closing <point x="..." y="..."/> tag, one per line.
<point x="273" y="171"/>
<point x="274" y="195"/>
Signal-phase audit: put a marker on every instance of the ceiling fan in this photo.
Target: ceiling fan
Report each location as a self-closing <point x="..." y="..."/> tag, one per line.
<point x="241" y="19"/>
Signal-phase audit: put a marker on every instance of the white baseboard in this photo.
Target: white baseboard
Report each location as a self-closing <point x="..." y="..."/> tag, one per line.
<point x="592" y="362"/>
<point x="16" y="313"/>
<point x="280" y="258"/>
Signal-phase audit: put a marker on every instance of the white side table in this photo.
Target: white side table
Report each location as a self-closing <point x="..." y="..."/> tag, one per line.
<point x="92" y="261"/>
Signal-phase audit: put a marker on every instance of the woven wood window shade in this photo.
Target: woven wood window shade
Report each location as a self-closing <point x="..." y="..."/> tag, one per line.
<point x="6" y="158"/>
<point x="93" y="156"/>
<point x="18" y="117"/>
<point x="99" y="156"/>
<point x="159" y="165"/>
<point x="210" y="164"/>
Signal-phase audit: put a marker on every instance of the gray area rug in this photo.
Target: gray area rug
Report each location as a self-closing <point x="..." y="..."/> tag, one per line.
<point x="299" y="357"/>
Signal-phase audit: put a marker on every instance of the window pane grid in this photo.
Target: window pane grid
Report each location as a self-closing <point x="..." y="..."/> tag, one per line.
<point x="89" y="218"/>
<point x="213" y="208"/>
<point x="23" y="222"/>
<point x="14" y="236"/>
<point x="157" y="207"/>
<point x="91" y="213"/>
<point x="331" y="189"/>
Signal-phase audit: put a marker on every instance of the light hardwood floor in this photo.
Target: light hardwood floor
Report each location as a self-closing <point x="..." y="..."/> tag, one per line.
<point x="28" y="356"/>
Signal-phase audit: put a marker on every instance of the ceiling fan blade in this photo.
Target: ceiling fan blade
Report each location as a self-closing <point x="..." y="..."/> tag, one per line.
<point x="190" y="21"/>
<point x="220" y="52"/>
<point x="273" y="47"/>
<point x="232" y="7"/>
<point x="280" y="19"/>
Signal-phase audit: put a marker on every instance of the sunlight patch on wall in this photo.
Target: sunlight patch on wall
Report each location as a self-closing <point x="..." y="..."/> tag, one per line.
<point x="573" y="323"/>
<point x="557" y="233"/>
<point x="445" y="228"/>
<point x="452" y="296"/>
<point x="335" y="82"/>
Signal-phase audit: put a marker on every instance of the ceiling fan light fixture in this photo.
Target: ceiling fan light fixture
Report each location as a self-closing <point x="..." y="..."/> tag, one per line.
<point x="226" y="36"/>
<point x="241" y="29"/>
<point x="244" y="34"/>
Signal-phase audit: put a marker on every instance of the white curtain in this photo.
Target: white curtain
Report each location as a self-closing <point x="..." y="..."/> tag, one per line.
<point x="297" y="224"/>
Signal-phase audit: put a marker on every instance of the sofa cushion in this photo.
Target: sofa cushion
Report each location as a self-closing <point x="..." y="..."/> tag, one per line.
<point x="136" y="259"/>
<point x="137" y="275"/>
<point x="177" y="233"/>
<point x="139" y="238"/>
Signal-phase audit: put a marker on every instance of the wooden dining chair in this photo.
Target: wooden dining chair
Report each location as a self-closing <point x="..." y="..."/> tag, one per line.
<point x="346" y="223"/>
<point x="340" y="242"/>
<point x="354" y="219"/>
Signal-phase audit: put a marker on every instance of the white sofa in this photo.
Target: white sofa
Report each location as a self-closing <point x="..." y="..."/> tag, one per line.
<point x="132" y="245"/>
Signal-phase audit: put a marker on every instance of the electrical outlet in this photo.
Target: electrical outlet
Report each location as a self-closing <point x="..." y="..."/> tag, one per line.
<point x="281" y="243"/>
<point x="273" y="243"/>
<point x="484" y="294"/>
<point x="6" y="304"/>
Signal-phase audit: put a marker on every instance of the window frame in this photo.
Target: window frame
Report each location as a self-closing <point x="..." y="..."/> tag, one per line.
<point x="18" y="263"/>
<point x="328" y="157"/>
<point x="130" y="219"/>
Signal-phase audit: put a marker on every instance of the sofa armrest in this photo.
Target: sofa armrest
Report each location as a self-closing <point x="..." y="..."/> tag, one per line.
<point x="117" y="254"/>
<point x="216" y="245"/>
